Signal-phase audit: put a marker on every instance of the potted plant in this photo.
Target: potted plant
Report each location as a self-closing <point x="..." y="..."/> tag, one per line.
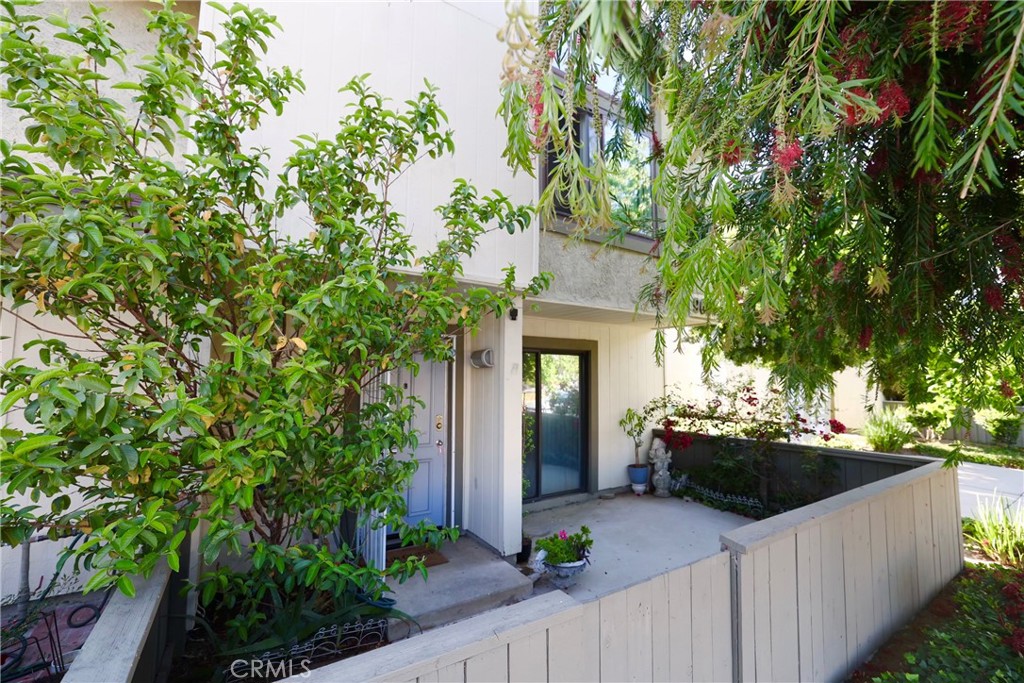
<point x="565" y="555"/>
<point x="635" y="424"/>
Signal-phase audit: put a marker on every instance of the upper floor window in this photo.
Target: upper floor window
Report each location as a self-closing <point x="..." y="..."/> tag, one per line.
<point x="629" y="165"/>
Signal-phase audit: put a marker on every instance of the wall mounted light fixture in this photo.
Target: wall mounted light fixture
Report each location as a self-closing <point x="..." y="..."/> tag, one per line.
<point x="514" y="313"/>
<point x="484" y="358"/>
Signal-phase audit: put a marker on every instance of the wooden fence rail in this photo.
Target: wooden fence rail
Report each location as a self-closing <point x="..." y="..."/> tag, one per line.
<point x="804" y="596"/>
<point x="674" y="627"/>
<point x="821" y="587"/>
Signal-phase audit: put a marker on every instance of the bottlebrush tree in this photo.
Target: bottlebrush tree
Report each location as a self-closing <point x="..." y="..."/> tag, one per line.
<point x="840" y="182"/>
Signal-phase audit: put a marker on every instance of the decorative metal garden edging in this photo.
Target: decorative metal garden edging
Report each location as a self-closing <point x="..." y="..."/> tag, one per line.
<point x="330" y="642"/>
<point x="752" y="504"/>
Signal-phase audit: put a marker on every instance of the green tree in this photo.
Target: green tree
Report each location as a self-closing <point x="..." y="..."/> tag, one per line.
<point x="219" y="368"/>
<point x="842" y="181"/>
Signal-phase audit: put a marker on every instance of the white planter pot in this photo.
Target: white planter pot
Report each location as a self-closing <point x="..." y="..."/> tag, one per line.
<point x="565" y="575"/>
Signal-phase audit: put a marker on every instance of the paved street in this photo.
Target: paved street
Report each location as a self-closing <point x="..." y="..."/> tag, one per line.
<point x="985" y="482"/>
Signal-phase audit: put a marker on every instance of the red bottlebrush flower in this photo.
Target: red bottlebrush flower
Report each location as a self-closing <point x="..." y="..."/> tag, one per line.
<point x="1003" y="240"/>
<point x="786" y="154"/>
<point x="656" y="149"/>
<point x="892" y="101"/>
<point x="878" y="163"/>
<point x="854" y="56"/>
<point x="854" y="111"/>
<point x="838" y="270"/>
<point x="1006" y="390"/>
<point x="993" y="296"/>
<point x="836" y="426"/>
<point x="1016" y="640"/>
<point x="1011" y="273"/>
<point x="536" y="98"/>
<point x="954" y="19"/>
<point x="933" y="178"/>
<point x="864" y="341"/>
<point x="982" y="13"/>
<point x="732" y="153"/>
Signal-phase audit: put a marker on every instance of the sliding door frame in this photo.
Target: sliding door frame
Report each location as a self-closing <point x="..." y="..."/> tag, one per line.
<point x="587" y="352"/>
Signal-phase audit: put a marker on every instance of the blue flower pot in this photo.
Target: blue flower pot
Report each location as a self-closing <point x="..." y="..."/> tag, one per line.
<point x="638" y="474"/>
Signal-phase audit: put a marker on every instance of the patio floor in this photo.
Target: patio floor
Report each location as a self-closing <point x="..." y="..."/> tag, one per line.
<point x="635" y="538"/>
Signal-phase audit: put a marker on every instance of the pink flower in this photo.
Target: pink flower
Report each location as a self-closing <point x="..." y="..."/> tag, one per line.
<point x="562" y="535"/>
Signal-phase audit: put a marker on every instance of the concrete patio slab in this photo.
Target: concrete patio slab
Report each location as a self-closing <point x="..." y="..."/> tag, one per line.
<point x="475" y="579"/>
<point x="980" y="483"/>
<point x="635" y="538"/>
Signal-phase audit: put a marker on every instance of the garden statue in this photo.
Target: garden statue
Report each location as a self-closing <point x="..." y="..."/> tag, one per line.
<point x="661" y="459"/>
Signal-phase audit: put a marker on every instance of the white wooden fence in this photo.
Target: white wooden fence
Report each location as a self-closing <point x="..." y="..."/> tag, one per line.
<point x="821" y="587"/>
<point x="804" y="596"/>
<point x="674" y="627"/>
<point x="129" y="637"/>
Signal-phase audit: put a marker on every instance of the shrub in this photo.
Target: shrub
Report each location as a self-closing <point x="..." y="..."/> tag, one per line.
<point x="563" y="547"/>
<point x="998" y="533"/>
<point x="982" y="641"/>
<point x="889" y="430"/>
<point x="220" y="366"/>
<point x="1003" y="426"/>
<point x="931" y="417"/>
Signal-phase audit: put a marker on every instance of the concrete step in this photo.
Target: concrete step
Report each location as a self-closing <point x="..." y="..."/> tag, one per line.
<point x="473" y="580"/>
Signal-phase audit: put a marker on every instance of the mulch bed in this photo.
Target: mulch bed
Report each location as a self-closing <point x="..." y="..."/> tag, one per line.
<point x="431" y="556"/>
<point x="890" y="657"/>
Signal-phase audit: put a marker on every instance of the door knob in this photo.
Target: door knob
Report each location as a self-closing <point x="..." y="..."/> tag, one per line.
<point x="439" y="443"/>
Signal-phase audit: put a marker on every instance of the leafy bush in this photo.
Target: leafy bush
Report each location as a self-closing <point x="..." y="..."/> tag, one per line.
<point x="982" y="641"/>
<point x="563" y="547"/>
<point x="998" y="533"/>
<point x="1003" y="426"/>
<point x="889" y="430"/>
<point x="220" y="367"/>
<point x="932" y="417"/>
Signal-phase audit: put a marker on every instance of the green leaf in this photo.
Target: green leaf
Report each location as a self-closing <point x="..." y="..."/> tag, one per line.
<point x="35" y="443"/>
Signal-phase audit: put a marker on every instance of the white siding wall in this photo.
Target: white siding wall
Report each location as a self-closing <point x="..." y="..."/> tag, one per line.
<point x="627" y="377"/>
<point x="452" y="45"/>
<point x="492" y="439"/>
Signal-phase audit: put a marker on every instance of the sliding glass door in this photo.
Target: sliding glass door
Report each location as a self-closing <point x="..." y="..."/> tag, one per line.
<point x="554" y="423"/>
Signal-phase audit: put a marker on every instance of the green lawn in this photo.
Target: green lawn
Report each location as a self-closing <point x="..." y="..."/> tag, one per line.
<point x="1002" y="456"/>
